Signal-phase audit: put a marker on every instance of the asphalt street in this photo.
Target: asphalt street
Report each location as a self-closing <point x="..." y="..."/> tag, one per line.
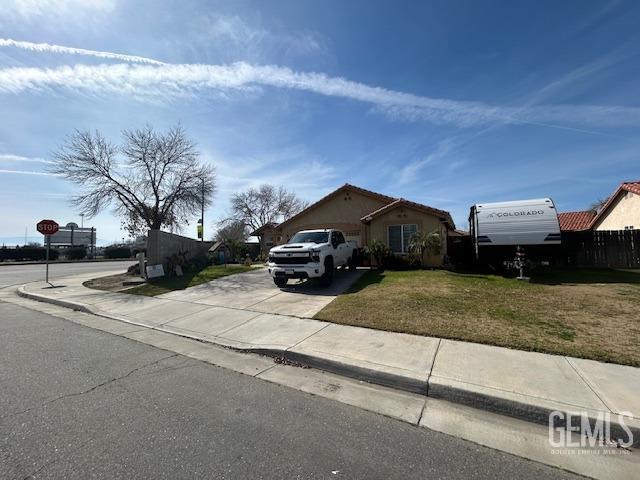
<point x="20" y="274"/>
<point x="80" y="403"/>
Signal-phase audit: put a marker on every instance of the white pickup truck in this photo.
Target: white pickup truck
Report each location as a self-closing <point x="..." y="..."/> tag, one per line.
<point x="311" y="254"/>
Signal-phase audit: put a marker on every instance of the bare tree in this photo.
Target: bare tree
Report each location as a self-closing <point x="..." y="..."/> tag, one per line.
<point x="265" y="204"/>
<point x="598" y="204"/>
<point x="152" y="180"/>
<point x="232" y="230"/>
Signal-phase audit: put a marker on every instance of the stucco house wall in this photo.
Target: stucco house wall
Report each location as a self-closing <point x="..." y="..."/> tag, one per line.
<point x="623" y="213"/>
<point x="342" y="212"/>
<point x="363" y="216"/>
<point x="378" y="228"/>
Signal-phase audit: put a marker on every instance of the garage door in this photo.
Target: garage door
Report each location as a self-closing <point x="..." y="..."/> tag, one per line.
<point x="353" y="236"/>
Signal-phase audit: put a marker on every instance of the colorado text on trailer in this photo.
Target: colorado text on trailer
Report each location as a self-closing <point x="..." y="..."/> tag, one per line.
<point x="498" y="229"/>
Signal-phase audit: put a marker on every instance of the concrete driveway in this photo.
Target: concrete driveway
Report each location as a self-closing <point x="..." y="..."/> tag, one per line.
<point x="256" y="292"/>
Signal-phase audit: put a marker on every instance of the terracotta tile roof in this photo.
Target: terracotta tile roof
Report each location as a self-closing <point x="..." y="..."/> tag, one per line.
<point x="570" y="221"/>
<point x="446" y="216"/>
<point x="633" y="187"/>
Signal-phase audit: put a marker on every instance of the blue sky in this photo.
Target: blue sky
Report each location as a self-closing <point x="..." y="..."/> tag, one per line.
<point x="447" y="103"/>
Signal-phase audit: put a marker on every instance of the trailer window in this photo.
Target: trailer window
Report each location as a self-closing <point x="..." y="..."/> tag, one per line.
<point x="400" y="237"/>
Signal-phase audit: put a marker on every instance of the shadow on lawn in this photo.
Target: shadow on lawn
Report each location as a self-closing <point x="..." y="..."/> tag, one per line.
<point x="558" y="276"/>
<point x="370" y="277"/>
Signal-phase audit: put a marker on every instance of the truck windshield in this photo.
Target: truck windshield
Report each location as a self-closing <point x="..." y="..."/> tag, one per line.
<point x="310" y="237"/>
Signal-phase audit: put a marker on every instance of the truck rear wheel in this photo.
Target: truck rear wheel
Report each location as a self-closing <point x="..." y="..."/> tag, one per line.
<point x="327" y="276"/>
<point x="352" y="263"/>
<point x="280" y="281"/>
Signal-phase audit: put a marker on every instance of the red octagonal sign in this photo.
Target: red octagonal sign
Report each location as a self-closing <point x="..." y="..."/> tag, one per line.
<point x="47" y="227"/>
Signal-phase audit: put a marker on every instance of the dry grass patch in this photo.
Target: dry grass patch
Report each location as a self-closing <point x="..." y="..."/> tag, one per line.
<point x="583" y="313"/>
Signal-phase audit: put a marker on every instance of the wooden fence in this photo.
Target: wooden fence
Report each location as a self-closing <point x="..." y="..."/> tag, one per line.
<point x="610" y="248"/>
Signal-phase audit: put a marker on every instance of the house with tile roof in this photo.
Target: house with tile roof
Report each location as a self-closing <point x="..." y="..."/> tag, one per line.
<point x="620" y="212"/>
<point x="576" y="221"/>
<point x="365" y="216"/>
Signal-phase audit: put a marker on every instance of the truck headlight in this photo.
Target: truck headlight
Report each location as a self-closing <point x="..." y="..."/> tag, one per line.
<point x="315" y="255"/>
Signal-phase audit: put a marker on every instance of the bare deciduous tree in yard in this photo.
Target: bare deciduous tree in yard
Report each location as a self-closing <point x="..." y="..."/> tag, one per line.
<point x="232" y="230"/>
<point x="153" y="180"/>
<point x="599" y="204"/>
<point x="265" y="204"/>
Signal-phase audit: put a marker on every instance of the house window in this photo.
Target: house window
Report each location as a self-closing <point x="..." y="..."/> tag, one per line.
<point x="400" y="237"/>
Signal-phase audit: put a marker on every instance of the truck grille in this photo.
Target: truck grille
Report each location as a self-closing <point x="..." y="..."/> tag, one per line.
<point x="284" y="260"/>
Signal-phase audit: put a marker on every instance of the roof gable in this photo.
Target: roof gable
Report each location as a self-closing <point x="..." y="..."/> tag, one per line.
<point x="345" y="188"/>
<point x="633" y="187"/>
<point x="401" y="202"/>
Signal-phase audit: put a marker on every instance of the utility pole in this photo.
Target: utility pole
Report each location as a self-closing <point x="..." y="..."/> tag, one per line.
<point x="202" y="216"/>
<point x="82" y="220"/>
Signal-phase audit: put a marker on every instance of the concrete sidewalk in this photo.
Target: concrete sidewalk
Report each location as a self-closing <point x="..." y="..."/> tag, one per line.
<point x="525" y="385"/>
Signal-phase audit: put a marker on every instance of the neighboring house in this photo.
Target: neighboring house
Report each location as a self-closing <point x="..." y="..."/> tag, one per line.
<point x="621" y="212"/>
<point x="365" y="216"/>
<point x="576" y="221"/>
<point x="267" y="237"/>
<point x="220" y="253"/>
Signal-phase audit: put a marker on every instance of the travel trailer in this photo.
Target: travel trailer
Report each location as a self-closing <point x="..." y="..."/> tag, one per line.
<point x="498" y="229"/>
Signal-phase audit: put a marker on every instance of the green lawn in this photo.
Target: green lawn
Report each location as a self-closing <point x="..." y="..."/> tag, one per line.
<point x="584" y="313"/>
<point x="189" y="279"/>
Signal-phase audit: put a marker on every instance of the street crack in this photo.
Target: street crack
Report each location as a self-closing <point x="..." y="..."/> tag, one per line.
<point x="89" y="390"/>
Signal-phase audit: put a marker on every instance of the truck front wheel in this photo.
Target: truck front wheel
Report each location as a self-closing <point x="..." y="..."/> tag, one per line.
<point x="327" y="276"/>
<point x="280" y="282"/>
<point x="352" y="263"/>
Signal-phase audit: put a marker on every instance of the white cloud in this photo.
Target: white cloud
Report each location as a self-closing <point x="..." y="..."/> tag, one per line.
<point x="184" y="80"/>
<point x="7" y="157"/>
<point x="28" y="172"/>
<point x="27" y="10"/>
<point x="234" y="38"/>
<point x="282" y="166"/>
<point x="47" y="48"/>
<point x="409" y="172"/>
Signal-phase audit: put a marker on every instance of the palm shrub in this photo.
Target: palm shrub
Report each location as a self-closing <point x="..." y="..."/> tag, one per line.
<point x="429" y="243"/>
<point x="379" y="251"/>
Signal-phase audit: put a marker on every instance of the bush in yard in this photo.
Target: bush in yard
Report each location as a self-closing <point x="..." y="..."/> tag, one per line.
<point x="117" y="251"/>
<point x="75" y="253"/>
<point x="398" y="262"/>
<point x="379" y="251"/>
<point x="421" y="243"/>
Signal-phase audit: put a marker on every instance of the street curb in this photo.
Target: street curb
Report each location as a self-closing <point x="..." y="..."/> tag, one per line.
<point x="432" y="387"/>
<point x="385" y="379"/>
<point x="539" y="414"/>
<point x="65" y="262"/>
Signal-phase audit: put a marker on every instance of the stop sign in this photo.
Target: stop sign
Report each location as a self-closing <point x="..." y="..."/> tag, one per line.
<point x="47" y="227"/>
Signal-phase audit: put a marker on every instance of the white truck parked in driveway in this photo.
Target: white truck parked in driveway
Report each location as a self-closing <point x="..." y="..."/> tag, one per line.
<point x="311" y="254"/>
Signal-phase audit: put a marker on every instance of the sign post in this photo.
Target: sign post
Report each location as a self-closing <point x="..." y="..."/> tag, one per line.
<point x="200" y="230"/>
<point x="47" y="228"/>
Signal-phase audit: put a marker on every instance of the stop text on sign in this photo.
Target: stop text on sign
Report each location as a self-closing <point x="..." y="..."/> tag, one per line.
<point x="47" y="227"/>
